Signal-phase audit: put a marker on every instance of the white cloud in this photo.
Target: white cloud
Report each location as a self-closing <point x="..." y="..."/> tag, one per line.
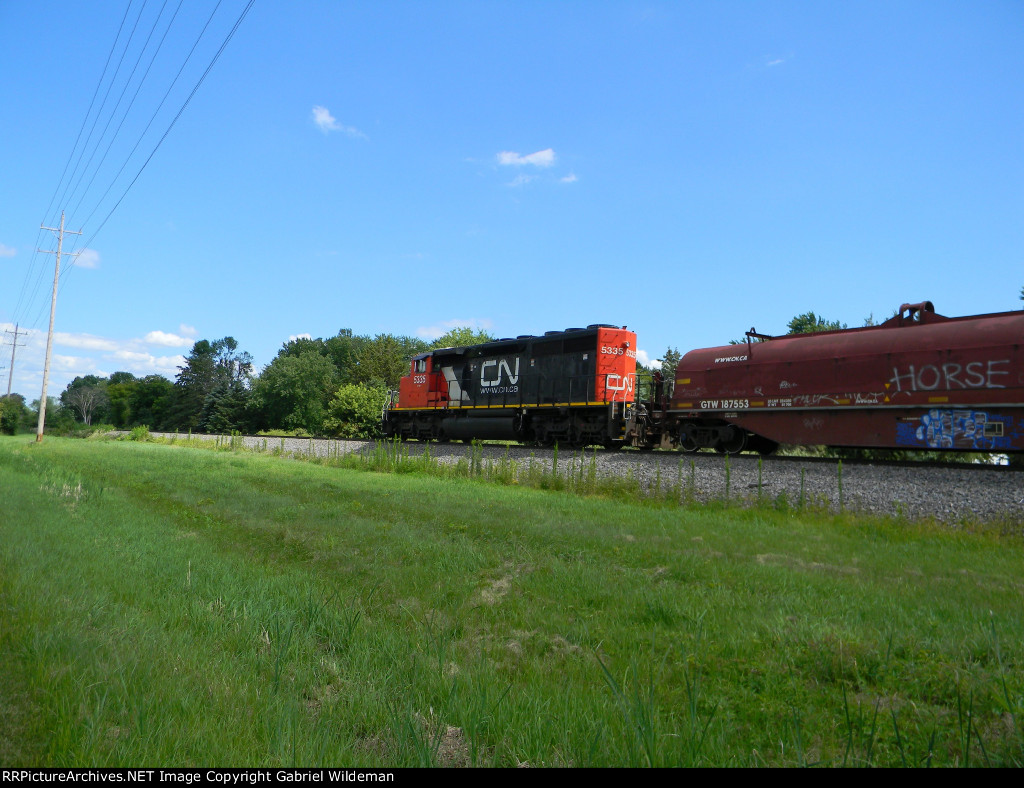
<point x="6" y="251"/>
<point x="84" y="341"/>
<point x="88" y="258"/>
<point x="187" y="330"/>
<point x="521" y="180"/>
<point x="131" y="355"/>
<point x="70" y="364"/>
<point x="165" y="339"/>
<point x="542" y="158"/>
<point x="327" y="123"/>
<point x="771" y="61"/>
<point x="323" y="118"/>
<point x="168" y="365"/>
<point x="293" y="337"/>
<point x="570" y="178"/>
<point x="643" y="358"/>
<point x="142" y="363"/>
<point x="430" y="333"/>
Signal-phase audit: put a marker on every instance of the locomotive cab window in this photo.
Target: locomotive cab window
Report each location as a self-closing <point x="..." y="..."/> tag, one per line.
<point x="420" y="365"/>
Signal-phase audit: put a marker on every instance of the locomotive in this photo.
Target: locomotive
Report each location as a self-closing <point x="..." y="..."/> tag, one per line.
<point x="920" y="380"/>
<point x="574" y="387"/>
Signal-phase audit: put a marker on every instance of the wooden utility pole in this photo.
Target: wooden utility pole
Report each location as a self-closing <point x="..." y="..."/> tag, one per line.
<point x="53" y="310"/>
<point x="14" y="346"/>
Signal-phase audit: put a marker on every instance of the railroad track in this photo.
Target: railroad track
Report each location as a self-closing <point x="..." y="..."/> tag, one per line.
<point x="955" y="493"/>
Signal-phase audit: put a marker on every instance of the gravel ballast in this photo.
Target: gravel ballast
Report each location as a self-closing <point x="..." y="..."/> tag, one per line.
<point x="955" y="494"/>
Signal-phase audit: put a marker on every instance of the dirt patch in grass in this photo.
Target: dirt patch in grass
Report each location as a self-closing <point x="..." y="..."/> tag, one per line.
<point x="776" y="559"/>
<point x="497" y="589"/>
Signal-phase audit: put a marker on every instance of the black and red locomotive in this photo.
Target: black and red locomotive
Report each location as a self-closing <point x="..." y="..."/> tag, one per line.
<point x="574" y="387"/>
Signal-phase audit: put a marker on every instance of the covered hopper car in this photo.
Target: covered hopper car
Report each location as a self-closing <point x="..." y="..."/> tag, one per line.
<point x="574" y="387"/>
<point x="917" y="381"/>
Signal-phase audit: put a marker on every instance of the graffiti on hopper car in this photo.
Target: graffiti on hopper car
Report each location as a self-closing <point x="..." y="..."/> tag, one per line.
<point x="959" y="429"/>
<point x="930" y="377"/>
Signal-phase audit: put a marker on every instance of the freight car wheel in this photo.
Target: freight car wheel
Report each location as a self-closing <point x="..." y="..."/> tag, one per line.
<point x="687" y="444"/>
<point x="733" y="441"/>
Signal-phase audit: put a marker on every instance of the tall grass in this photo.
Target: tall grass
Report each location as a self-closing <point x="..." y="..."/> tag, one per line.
<point x="164" y="605"/>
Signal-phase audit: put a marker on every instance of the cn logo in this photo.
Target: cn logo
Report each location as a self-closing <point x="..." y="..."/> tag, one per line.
<point x="503" y="369"/>
<point x="620" y="383"/>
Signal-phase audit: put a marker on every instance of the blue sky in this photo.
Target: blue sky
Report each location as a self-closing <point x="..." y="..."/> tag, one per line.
<point x="688" y="169"/>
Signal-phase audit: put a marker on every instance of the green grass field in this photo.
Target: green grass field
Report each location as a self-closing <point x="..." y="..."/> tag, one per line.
<point x="162" y="605"/>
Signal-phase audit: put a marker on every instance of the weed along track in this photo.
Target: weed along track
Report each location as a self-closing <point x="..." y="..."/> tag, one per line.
<point x="954" y="494"/>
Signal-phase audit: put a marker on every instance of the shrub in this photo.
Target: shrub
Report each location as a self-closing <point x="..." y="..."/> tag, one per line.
<point x="355" y="411"/>
<point x="10" y="416"/>
<point x="140" y="433"/>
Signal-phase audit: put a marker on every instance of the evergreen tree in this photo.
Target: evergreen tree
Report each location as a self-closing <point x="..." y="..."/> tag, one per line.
<point x="809" y="323"/>
<point x="225" y="409"/>
<point x="209" y="365"/>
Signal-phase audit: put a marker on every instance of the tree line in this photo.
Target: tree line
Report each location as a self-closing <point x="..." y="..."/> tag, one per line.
<point x="334" y="386"/>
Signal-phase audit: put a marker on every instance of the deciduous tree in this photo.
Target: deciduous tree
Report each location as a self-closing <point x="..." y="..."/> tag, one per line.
<point x="462" y="336"/>
<point x="384" y="359"/>
<point x="293" y="391"/>
<point x="86" y="400"/>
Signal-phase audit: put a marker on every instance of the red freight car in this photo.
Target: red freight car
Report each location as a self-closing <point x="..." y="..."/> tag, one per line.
<point x="920" y="380"/>
<point x="575" y="387"/>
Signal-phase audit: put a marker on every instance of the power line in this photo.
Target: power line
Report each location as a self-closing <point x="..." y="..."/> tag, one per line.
<point x="14" y="346"/>
<point x="85" y="146"/>
<point x="71" y="154"/>
<point x="53" y="310"/>
<point x="198" y="84"/>
<point x="75" y="169"/>
<point x="103" y="104"/>
<point x="113" y="112"/>
<point x="88" y="112"/>
<point x="131" y="103"/>
<point x="155" y="113"/>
